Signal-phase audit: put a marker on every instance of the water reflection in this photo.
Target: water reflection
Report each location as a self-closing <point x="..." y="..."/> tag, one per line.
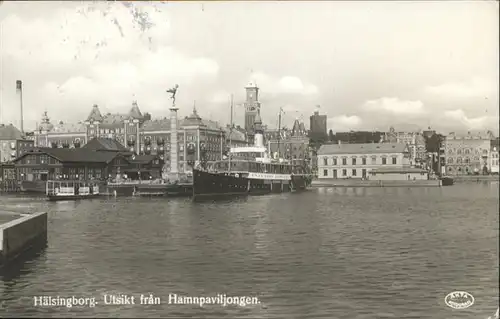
<point x="328" y="252"/>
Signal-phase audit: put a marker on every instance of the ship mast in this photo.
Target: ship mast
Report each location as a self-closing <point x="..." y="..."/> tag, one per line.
<point x="279" y="131"/>
<point x="230" y="136"/>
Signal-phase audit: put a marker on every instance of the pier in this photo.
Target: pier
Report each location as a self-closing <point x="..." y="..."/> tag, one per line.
<point x="21" y="234"/>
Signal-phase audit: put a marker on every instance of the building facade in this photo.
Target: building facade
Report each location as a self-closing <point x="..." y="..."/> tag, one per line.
<point x="414" y="140"/>
<point x="252" y="108"/>
<point x="495" y="144"/>
<point x="468" y="153"/>
<point x="100" y="159"/>
<point x="292" y="144"/>
<point x="140" y="134"/>
<point x="358" y="160"/>
<point x="12" y="143"/>
<point x="318" y="127"/>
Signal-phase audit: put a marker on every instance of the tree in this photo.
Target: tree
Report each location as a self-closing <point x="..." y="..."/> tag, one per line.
<point x="331" y="136"/>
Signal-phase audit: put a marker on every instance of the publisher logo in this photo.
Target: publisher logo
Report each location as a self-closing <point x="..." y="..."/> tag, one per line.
<point x="459" y="300"/>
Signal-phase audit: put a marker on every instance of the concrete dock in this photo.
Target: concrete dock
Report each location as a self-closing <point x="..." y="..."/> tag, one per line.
<point x="20" y="234"/>
<point x="374" y="183"/>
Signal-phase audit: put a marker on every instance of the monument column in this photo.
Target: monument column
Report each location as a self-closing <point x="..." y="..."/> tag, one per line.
<point x="174" y="154"/>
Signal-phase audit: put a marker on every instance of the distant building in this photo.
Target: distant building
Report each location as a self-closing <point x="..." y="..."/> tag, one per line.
<point x="252" y="108"/>
<point x="467" y="153"/>
<point x="357" y="137"/>
<point x="237" y="137"/>
<point x="358" y="160"/>
<point x="12" y="143"/>
<point x="293" y="144"/>
<point x="139" y="133"/>
<point x="495" y="146"/>
<point x="100" y="158"/>
<point x="318" y="127"/>
<point x="414" y="140"/>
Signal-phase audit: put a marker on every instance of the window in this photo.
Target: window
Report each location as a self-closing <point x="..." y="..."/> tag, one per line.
<point x="394" y="160"/>
<point x="325" y="161"/>
<point x="325" y="172"/>
<point x="363" y="161"/>
<point x="467" y="160"/>
<point x="459" y="152"/>
<point x="467" y="151"/>
<point x="459" y="160"/>
<point x="344" y="172"/>
<point x="353" y="172"/>
<point x="334" y="161"/>
<point x="353" y="161"/>
<point x="374" y="160"/>
<point x="344" y="161"/>
<point x="450" y="160"/>
<point x="384" y="161"/>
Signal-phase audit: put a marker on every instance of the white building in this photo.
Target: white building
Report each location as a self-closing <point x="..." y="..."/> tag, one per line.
<point x="357" y="160"/>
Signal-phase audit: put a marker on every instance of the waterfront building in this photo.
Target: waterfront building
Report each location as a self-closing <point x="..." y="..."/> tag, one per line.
<point x="12" y="143"/>
<point x="292" y="145"/>
<point x="237" y="138"/>
<point x="415" y="141"/>
<point x="358" y="160"/>
<point x="100" y="158"/>
<point x="493" y="162"/>
<point x="139" y="133"/>
<point x="467" y="153"/>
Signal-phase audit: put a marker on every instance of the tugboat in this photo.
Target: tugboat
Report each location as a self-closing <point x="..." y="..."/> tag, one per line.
<point x="250" y="171"/>
<point x="71" y="190"/>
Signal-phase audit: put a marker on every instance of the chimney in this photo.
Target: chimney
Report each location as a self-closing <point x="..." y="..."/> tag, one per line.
<point x="19" y="91"/>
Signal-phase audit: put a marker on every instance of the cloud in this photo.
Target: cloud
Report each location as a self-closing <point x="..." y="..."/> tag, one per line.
<point x="344" y="123"/>
<point x="476" y="87"/>
<point x="103" y="53"/>
<point x="284" y="85"/>
<point x="476" y="123"/>
<point x="395" y="106"/>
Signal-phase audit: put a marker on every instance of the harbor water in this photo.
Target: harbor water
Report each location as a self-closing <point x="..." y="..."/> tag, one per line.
<point x="325" y="253"/>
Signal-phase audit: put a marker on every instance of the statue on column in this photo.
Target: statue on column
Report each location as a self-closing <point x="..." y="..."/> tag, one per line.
<point x="173" y="91"/>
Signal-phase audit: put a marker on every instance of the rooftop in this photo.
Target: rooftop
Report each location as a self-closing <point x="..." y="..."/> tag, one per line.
<point x="10" y="132"/>
<point x="368" y="148"/>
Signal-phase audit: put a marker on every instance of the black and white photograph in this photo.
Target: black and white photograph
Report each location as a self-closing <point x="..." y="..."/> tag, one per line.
<point x="249" y="159"/>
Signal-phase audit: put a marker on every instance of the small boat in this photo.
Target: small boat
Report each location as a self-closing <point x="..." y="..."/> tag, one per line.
<point x="446" y="181"/>
<point x="71" y="190"/>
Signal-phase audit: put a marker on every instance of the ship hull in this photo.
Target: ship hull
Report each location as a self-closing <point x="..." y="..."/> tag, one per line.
<point x="56" y="198"/>
<point x="212" y="186"/>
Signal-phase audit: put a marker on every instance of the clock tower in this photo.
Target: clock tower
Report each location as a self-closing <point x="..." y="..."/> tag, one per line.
<point x="252" y="108"/>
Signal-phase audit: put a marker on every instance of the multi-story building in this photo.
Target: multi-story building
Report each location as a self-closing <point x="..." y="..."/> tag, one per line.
<point x="357" y="137"/>
<point x="415" y="141"/>
<point x="252" y="108"/>
<point x="292" y="145"/>
<point x="468" y="153"/>
<point x="12" y="143"/>
<point x="358" y="160"/>
<point x="236" y="137"/>
<point x="318" y="127"/>
<point x="494" y="150"/>
<point x="139" y="133"/>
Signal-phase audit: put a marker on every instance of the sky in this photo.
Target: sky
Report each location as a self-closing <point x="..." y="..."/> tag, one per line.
<point x="367" y="65"/>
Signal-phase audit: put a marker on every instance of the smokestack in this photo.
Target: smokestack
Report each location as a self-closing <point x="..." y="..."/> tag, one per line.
<point x="19" y="91"/>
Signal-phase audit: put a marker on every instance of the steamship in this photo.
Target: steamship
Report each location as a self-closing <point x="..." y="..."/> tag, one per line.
<point x="250" y="170"/>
